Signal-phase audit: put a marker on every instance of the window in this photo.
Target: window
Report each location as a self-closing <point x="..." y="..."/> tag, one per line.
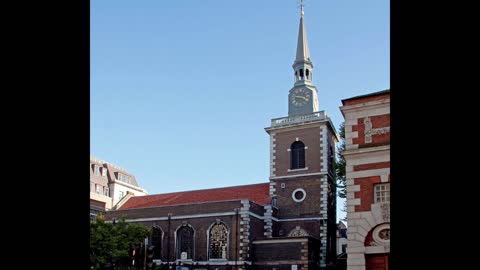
<point x="106" y="191"/>
<point x="297" y="150"/>
<point x="299" y="195"/>
<point x="96" y="170"/>
<point x="124" y="178"/>
<point x="104" y="172"/>
<point x="156" y="241"/>
<point x="184" y="242"/>
<point x="382" y="193"/>
<point x="120" y="195"/>
<point x="344" y="248"/>
<point x="98" y="189"/>
<point x="274" y="202"/>
<point x="218" y="242"/>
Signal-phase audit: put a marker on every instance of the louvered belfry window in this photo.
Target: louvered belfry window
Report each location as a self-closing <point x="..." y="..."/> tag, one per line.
<point x="297" y="151"/>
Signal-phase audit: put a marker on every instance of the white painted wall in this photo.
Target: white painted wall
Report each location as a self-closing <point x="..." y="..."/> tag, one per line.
<point x="116" y="188"/>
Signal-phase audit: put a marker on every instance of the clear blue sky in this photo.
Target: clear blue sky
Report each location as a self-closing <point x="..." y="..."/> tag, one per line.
<point x="181" y="91"/>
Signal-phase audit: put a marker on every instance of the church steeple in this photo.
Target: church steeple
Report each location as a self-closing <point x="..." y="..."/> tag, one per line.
<point x="303" y="53"/>
<point x="303" y="65"/>
<point x="303" y="96"/>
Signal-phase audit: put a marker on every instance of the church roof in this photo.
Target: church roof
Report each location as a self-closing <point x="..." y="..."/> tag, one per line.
<point x="258" y="193"/>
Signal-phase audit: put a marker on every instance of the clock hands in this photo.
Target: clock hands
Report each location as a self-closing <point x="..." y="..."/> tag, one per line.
<point x="304" y="98"/>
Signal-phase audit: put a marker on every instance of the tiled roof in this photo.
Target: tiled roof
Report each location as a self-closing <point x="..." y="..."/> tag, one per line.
<point x="258" y="193"/>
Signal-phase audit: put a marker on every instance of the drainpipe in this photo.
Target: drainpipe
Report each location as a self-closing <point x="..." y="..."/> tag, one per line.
<point x="236" y="237"/>
<point x="168" y="239"/>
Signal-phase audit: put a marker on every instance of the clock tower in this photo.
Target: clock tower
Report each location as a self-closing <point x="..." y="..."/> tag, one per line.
<point x="302" y="152"/>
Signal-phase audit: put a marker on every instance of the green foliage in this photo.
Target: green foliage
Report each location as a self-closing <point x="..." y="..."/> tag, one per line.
<point x="340" y="166"/>
<point x="111" y="242"/>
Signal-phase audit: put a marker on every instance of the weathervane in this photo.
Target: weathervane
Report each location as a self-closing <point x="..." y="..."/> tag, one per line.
<point x="300" y="3"/>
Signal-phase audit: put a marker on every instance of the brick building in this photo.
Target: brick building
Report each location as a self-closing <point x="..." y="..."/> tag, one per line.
<point x="367" y="155"/>
<point x="288" y="222"/>
<point x="110" y="187"/>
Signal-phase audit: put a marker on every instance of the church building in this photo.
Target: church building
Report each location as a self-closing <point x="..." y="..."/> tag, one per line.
<point x="287" y="223"/>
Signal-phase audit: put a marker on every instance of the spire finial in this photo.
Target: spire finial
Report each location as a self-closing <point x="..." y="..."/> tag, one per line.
<point x="302" y="45"/>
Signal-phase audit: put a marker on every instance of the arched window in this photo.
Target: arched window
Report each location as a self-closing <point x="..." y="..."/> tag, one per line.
<point x="301" y="73"/>
<point x="218" y="241"/>
<point x="156" y="242"/>
<point x="184" y="242"/>
<point x="297" y="151"/>
<point x="307" y="73"/>
<point x="297" y="232"/>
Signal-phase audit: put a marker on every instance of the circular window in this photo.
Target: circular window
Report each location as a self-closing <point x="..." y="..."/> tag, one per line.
<point x="381" y="234"/>
<point x="299" y="195"/>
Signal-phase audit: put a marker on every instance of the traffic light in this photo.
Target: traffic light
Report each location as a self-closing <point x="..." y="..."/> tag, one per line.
<point x="149" y="261"/>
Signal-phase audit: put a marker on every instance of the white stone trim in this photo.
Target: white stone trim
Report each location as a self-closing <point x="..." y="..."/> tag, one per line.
<point x="324" y="149"/>
<point x="353" y="188"/>
<point x="273" y="241"/>
<point x="384" y="178"/>
<point x="368" y="158"/>
<point x="367" y="106"/>
<point x="351" y="135"/>
<point x="348" y="128"/>
<point x="368" y="173"/>
<point x="298" y="175"/>
<point x="377" y="249"/>
<point x="365" y="150"/>
<point x="272" y="153"/>
<point x="297" y="219"/>
<point x="353" y="202"/>
<point x="375" y="234"/>
<point x="296" y="170"/>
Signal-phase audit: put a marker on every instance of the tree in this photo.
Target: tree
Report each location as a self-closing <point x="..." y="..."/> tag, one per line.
<point x="340" y="165"/>
<point x="110" y="243"/>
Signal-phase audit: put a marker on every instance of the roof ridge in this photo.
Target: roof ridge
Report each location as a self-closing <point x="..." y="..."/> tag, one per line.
<point x="171" y="193"/>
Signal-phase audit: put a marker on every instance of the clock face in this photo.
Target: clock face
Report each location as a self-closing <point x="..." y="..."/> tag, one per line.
<point x="299" y="97"/>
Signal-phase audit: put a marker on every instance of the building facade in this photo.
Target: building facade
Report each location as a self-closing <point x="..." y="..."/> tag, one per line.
<point x="367" y="155"/>
<point x="110" y="186"/>
<point x="287" y="223"/>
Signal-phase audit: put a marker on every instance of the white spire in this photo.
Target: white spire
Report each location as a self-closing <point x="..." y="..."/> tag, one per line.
<point x="303" y="53"/>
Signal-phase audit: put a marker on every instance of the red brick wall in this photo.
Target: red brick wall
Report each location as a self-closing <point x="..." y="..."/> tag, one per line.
<point x="371" y="166"/>
<point x="378" y="121"/>
<point x="366" y="99"/>
<point x="366" y="192"/>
